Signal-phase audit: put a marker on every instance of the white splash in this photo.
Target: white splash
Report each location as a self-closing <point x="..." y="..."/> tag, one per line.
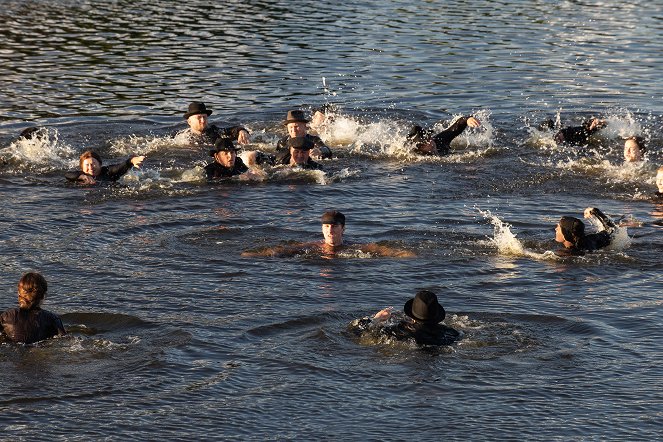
<point x="44" y="150"/>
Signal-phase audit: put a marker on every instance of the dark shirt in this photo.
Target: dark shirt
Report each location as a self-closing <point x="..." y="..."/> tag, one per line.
<point x="212" y="133"/>
<point x="422" y="334"/>
<point x="217" y="170"/>
<point x="576" y="135"/>
<point x="443" y="139"/>
<point x="325" y="152"/>
<point x="29" y="326"/>
<point x="108" y="173"/>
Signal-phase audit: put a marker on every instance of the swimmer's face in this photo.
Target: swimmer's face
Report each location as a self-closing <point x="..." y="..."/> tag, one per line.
<point x="659" y="181"/>
<point x="226" y="158"/>
<point x="632" y="152"/>
<point x="298" y="157"/>
<point x="91" y="166"/>
<point x="297" y="129"/>
<point x="427" y="147"/>
<point x="559" y="236"/>
<point x="197" y="122"/>
<point x="333" y="234"/>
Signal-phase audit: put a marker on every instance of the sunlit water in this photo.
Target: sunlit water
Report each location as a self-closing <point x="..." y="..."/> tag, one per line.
<point x="174" y="334"/>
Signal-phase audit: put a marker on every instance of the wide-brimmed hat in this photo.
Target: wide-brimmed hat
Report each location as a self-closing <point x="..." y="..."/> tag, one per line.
<point x="223" y="145"/>
<point x="333" y="217"/>
<point x="572" y="228"/>
<point x="295" y="116"/>
<point x="425" y="308"/>
<point x="301" y="143"/>
<point x="195" y="108"/>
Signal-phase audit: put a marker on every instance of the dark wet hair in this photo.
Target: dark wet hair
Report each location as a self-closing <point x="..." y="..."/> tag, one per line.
<point x="31" y="132"/>
<point x="333" y="217"/>
<point x="573" y="229"/>
<point x="89" y="154"/>
<point x="32" y="289"/>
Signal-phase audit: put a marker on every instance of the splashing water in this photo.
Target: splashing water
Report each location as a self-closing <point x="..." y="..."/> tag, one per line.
<point x="42" y="152"/>
<point x="506" y="241"/>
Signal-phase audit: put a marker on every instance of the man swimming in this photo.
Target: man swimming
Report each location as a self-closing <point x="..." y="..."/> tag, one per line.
<point x="425" y="142"/>
<point x="634" y="149"/>
<point x="421" y="325"/>
<point x="659" y="183"/>
<point x="201" y="132"/>
<point x="570" y="232"/>
<point x="333" y="229"/>
<point x="226" y="163"/>
<point x="295" y="124"/>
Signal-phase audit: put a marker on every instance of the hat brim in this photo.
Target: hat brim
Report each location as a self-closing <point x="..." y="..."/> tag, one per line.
<point x="295" y="121"/>
<point x="188" y="114"/>
<point x="439" y="315"/>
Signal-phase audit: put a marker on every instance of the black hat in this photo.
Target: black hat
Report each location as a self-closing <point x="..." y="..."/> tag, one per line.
<point x="572" y="228"/>
<point x="333" y="217"/>
<point x="425" y="308"/>
<point x="295" y="116"/>
<point x="223" y="145"/>
<point x="301" y="143"/>
<point x="195" y="108"/>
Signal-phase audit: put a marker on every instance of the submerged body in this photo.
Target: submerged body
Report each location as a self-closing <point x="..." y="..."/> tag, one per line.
<point x="30" y="326"/>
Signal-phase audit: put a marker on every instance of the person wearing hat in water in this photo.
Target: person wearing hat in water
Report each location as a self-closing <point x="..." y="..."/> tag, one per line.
<point x="226" y="163"/>
<point x="570" y="232"/>
<point x="579" y="135"/>
<point x="299" y="154"/>
<point x="201" y="131"/>
<point x="29" y="323"/>
<point x="421" y="324"/>
<point x="295" y="123"/>
<point x="333" y="228"/>
<point x="634" y="149"/>
<point x="426" y="142"/>
<point x="92" y="171"/>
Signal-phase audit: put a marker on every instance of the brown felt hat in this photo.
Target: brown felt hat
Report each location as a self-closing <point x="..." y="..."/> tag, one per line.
<point x="295" y="116"/>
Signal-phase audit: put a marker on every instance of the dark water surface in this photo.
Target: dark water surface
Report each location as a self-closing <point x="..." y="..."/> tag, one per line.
<point x="174" y="334"/>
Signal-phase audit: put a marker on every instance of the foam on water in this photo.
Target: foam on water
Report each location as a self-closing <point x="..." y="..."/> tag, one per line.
<point x="43" y="152"/>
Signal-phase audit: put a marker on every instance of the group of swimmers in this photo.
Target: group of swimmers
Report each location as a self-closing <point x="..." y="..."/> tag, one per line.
<point x="423" y="314"/>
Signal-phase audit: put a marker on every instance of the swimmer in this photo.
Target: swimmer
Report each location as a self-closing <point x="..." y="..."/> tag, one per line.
<point x="634" y="149"/>
<point x="579" y="135"/>
<point x="299" y="154"/>
<point x="570" y="232"/>
<point x="333" y="229"/>
<point x="659" y="183"/>
<point x="426" y="143"/>
<point x="226" y="164"/>
<point x="422" y="323"/>
<point x="33" y="132"/>
<point x="322" y="117"/>
<point x="92" y="170"/>
<point x="29" y="323"/>
<point x="200" y="131"/>
<point x="295" y="123"/>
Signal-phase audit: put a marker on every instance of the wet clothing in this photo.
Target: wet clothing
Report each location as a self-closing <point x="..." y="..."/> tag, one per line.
<point x="310" y="164"/>
<point x="108" y="173"/>
<point x="325" y="152"/>
<point x="577" y="135"/>
<point x="593" y="241"/>
<point x="212" y="133"/>
<point x="29" y="326"/>
<point x="422" y="334"/>
<point x="658" y="196"/>
<point x="443" y="139"/>
<point x="217" y="170"/>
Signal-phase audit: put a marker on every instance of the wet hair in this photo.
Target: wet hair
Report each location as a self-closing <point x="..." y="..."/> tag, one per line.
<point x="31" y="290"/>
<point x="573" y="229"/>
<point x="31" y="132"/>
<point x="639" y="141"/>
<point x="548" y="124"/>
<point x="416" y="135"/>
<point x="89" y="154"/>
<point x="333" y="217"/>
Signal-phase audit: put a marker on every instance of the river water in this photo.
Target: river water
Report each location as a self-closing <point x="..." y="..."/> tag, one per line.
<point x="174" y="334"/>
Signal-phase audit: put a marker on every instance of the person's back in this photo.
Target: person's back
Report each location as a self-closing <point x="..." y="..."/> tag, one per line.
<point x="30" y="326"/>
<point x="29" y="323"/>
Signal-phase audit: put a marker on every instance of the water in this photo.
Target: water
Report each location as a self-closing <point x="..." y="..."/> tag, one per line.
<point x="174" y="334"/>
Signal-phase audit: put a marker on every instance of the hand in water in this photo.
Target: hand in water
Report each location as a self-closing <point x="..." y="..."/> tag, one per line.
<point x="383" y="314"/>
<point x="473" y="122"/>
<point x="243" y="137"/>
